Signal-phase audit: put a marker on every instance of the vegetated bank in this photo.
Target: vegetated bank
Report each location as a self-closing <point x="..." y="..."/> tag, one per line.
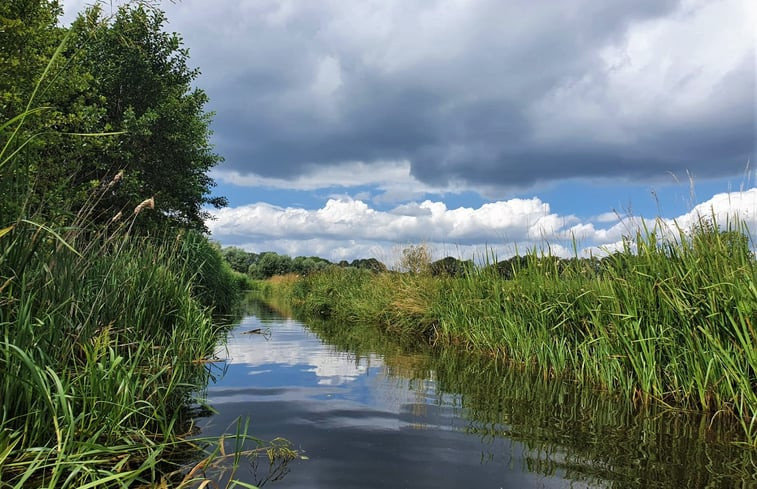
<point x="669" y="319"/>
<point x="583" y="434"/>
<point x="108" y="287"/>
<point x="103" y="347"/>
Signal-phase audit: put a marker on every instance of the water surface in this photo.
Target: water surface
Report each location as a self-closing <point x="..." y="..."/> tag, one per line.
<point x="368" y="412"/>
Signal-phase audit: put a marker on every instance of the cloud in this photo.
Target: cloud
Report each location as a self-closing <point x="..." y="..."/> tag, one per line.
<point x="347" y="228"/>
<point x="428" y="221"/>
<point x="480" y="93"/>
<point x="392" y="180"/>
<point x="290" y="348"/>
<point x="723" y="208"/>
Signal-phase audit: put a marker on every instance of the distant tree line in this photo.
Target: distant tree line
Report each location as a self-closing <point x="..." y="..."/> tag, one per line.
<point x="269" y="263"/>
<point x="415" y="259"/>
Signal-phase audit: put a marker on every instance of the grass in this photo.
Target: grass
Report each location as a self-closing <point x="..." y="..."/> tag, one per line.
<point x="102" y="346"/>
<point x="104" y="338"/>
<point x="668" y="320"/>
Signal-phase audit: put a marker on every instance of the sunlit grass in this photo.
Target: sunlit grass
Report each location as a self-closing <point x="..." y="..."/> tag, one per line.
<point x="669" y="319"/>
<point x="104" y="337"/>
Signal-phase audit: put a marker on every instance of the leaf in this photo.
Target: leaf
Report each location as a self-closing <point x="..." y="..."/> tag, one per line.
<point x="56" y="235"/>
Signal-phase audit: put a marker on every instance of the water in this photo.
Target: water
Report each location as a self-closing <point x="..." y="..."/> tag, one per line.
<point x="368" y="412"/>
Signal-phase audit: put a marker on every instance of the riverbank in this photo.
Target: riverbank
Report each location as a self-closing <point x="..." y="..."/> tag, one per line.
<point x="666" y="320"/>
<point x="103" y="347"/>
<point x="349" y="395"/>
<point x="109" y="290"/>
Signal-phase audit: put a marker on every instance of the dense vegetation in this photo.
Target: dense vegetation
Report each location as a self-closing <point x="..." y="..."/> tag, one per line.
<point x="670" y="319"/>
<point x="567" y="429"/>
<point x="259" y="266"/>
<point x="122" y="76"/>
<point x="107" y="286"/>
<point x="267" y="264"/>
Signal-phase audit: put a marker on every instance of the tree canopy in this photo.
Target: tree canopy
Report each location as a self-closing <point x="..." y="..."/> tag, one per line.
<point x="122" y="75"/>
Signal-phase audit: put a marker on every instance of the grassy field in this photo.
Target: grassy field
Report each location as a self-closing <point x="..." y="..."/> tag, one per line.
<point x="669" y="320"/>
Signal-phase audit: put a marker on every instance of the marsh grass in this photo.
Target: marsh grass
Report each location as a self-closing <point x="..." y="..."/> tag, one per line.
<point x="104" y="339"/>
<point x="100" y="352"/>
<point x="670" y="319"/>
<point x="104" y="342"/>
<point x="564" y="427"/>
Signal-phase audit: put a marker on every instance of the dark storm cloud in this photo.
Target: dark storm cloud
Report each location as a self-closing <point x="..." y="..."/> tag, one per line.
<point x="488" y="93"/>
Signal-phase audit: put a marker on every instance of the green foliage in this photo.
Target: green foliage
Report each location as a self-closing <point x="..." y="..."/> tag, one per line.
<point x="104" y="331"/>
<point x="268" y="264"/>
<point x="238" y="259"/>
<point x="371" y="264"/>
<point x="142" y="74"/>
<point x="670" y="319"/>
<point x="100" y="354"/>
<point x="124" y="76"/>
<point x="451" y="267"/>
<point x="216" y="285"/>
<point x="28" y="38"/>
<point x="304" y="265"/>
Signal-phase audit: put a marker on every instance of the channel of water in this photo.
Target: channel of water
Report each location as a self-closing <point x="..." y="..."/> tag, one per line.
<point x="368" y="412"/>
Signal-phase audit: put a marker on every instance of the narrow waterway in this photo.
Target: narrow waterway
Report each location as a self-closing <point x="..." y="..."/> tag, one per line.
<point x="366" y="412"/>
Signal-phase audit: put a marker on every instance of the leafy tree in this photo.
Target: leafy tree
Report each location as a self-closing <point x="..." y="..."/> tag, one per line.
<point x="142" y="81"/>
<point x="305" y="265"/>
<point x="451" y="267"/>
<point x="239" y="259"/>
<point x="270" y="264"/>
<point x="28" y="36"/>
<point x="121" y="74"/>
<point x="371" y="264"/>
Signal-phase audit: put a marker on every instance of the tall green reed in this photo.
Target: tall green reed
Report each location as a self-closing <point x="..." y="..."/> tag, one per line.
<point x="103" y="337"/>
<point x="669" y="319"/>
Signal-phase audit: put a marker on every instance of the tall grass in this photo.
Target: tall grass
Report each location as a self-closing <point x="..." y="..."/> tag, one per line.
<point x="101" y="350"/>
<point x="103" y="339"/>
<point x="669" y="319"/>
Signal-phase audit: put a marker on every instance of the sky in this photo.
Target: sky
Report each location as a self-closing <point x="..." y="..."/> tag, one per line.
<point x="354" y="129"/>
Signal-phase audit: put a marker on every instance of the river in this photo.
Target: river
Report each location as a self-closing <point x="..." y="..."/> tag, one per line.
<point x="364" y="412"/>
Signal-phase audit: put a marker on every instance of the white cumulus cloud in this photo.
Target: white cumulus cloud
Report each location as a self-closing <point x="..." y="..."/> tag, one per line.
<point x="347" y="228"/>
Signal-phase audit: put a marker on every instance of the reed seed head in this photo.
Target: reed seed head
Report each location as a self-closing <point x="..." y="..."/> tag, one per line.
<point x="147" y="203"/>
<point x="119" y="176"/>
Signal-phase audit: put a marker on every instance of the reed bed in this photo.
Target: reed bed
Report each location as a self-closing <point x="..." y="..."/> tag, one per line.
<point x="105" y="333"/>
<point x="101" y="350"/>
<point x="669" y="319"/>
<point x="104" y="338"/>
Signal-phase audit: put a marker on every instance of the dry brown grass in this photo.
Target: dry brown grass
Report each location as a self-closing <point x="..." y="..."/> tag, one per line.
<point x="287" y="279"/>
